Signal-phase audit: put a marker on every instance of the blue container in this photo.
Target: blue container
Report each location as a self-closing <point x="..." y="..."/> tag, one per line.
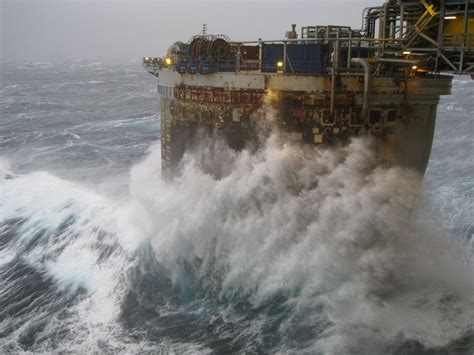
<point x="271" y="55"/>
<point x="227" y="65"/>
<point x="207" y="66"/>
<point x="193" y="67"/>
<point x="182" y="66"/>
<point x="305" y="58"/>
<point x="300" y="58"/>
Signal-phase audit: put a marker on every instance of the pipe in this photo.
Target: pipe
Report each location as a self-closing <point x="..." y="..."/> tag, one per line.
<point x="365" y="65"/>
<point x="439" y="47"/>
<point x="466" y="15"/>
<point x="333" y="90"/>
<point x="335" y="65"/>
<point x="398" y="61"/>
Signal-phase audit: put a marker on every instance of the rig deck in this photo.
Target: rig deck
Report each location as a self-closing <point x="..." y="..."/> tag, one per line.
<point x="326" y="83"/>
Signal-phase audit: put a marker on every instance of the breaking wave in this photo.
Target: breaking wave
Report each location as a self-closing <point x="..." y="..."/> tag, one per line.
<point x="313" y="246"/>
<point x="292" y="248"/>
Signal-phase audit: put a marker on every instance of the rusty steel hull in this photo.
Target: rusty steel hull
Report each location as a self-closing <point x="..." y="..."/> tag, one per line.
<point x="401" y="115"/>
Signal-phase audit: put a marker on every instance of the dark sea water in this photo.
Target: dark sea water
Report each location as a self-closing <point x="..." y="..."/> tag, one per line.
<point x="293" y="250"/>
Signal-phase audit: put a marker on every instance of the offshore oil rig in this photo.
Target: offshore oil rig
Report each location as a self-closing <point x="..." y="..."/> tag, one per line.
<point x="324" y="83"/>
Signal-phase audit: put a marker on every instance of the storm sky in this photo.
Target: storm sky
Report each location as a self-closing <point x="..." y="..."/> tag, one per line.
<point x="119" y="31"/>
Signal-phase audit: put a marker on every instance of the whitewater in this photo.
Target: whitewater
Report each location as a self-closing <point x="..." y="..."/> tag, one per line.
<point x="291" y="249"/>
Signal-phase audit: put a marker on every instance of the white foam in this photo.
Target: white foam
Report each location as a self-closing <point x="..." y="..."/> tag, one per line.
<point x="74" y="226"/>
<point x="329" y="222"/>
<point x="325" y="227"/>
<point x="5" y="165"/>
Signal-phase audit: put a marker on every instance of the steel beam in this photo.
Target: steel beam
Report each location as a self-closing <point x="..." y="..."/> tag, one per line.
<point x="466" y="15"/>
<point x="448" y="61"/>
<point x="440" y="33"/>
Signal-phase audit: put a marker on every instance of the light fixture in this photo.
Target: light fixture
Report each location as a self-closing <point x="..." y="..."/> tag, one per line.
<point x="168" y="61"/>
<point x="280" y="64"/>
<point x="414" y="67"/>
<point x="406" y="52"/>
<point x="450" y="17"/>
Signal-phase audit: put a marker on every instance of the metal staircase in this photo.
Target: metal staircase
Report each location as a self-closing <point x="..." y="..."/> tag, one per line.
<point x="419" y="27"/>
<point x="427" y="17"/>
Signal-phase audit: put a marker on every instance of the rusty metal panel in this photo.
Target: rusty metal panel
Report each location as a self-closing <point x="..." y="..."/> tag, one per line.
<point x="299" y="113"/>
<point x="217" y="96"/>
<point x="201" y="95"/>
<point x="226" y="96"/>
<point x="236" y="97"/>
<point x="245" y="98"/>
<point x="309" y="100"/>
<point x="209" y="95"/>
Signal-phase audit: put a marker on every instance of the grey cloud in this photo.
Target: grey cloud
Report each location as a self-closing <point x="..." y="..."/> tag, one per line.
<point x="126" y="30"/>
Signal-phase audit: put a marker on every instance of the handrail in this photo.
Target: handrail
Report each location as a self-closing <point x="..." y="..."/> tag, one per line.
<point x="323" y="39"/>
<point x="340" y="49"/>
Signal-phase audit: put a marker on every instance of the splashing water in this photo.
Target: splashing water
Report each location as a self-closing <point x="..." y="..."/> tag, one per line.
<point x="292" y="249"/>
<point x="314" y="244"/>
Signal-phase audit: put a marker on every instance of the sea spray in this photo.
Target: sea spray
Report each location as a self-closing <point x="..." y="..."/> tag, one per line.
<point x="289" y="248"/>
<point x="327" y="233"/>
<point x="61" y="269"/>
<point x="138" y="297"/>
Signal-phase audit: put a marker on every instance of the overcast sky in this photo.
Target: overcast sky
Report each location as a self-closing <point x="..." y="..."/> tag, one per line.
<point x="124" y="30"/>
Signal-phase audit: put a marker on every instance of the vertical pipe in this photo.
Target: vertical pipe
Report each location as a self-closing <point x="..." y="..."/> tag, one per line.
<point x="335" y="64"/>
<point x="333" y="77"/>
<point x="349" y="50"/>
<point x="333" y="89"/>
<point x="381" y="22"/>
<point x="393" y="22"/>
<point x="466" y="13"/>
<point x="237" y="60"/>
<point x="384" y="24"/>
<point x="260" y="54"/>
<point x="365" y="65"/>
<point x="402" y="18"/>
<point x="440" y="33"/>
<point x="284" y="57"/>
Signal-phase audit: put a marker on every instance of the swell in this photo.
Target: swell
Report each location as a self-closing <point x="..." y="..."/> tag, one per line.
<point x="60" y="270"/>
<point x="297" y="249"/>
<point x="290" y="249"/>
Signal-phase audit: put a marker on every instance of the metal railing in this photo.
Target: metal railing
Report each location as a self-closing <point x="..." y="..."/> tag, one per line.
<point x="405" y="36"/>
<point x="457" y="41"/>
<point x="340" y="52"/>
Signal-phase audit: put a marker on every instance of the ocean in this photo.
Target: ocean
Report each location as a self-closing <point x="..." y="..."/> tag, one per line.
<point x="292" y="249"/>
